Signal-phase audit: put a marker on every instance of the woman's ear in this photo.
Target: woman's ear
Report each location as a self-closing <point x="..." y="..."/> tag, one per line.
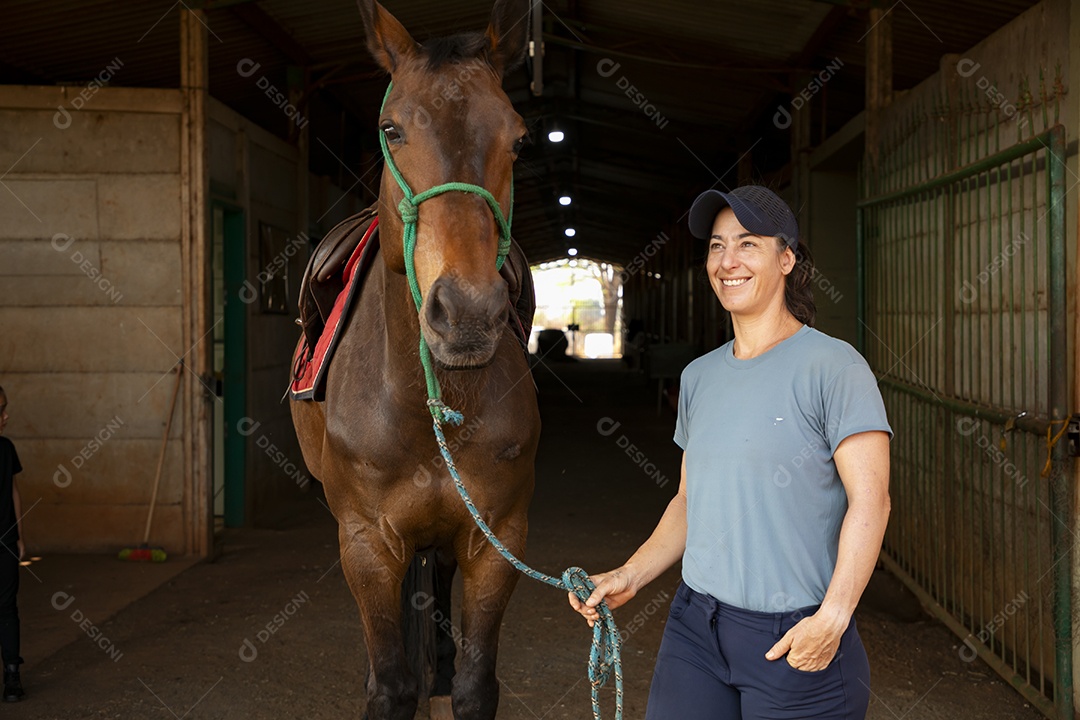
<point x="787" y="260"/>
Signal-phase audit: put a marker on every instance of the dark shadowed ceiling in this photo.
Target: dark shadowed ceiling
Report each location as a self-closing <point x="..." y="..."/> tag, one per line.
<point x="658" y="100"/>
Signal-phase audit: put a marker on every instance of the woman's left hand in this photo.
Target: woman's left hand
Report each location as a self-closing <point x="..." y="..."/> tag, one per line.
<point x="811" y="645"/>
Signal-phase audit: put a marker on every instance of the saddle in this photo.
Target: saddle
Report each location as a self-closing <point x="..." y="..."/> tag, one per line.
<point x="331" y="281"/>
<point x="324" y="279"/>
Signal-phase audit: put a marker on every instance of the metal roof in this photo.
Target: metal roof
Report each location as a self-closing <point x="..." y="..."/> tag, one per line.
<point x="706" y="79"/>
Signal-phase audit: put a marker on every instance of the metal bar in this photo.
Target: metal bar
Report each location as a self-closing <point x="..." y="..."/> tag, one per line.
<point x="930" y="215"/>
<point x="860" y="282"/>
<point x="1029" y="692"/>
<point x="1058" y="404"/>
<point x="1038" y="142"/>
<point x="1027" y="423"/>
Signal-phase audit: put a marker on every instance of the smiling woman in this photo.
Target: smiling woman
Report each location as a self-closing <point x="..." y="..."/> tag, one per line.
<point x="781" y="507"/>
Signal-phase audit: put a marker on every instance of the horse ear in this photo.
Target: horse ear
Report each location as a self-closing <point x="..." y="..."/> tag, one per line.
<point x="508" y="34"/>
<point x="387" y="39"/>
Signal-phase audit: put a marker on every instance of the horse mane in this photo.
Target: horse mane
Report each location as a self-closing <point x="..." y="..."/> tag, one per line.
<point x="455" y="48"/>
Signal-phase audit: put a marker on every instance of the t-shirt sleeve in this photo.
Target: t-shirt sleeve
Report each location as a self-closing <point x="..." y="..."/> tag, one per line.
<point x="16" y="467"/>
<point x="853" y="405"/>
<point x="681" y="418"/>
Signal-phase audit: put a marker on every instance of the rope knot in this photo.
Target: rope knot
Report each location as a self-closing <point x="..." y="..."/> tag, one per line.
<point x="442" y="413"/>
<point x="408" y="210"/>
<point x="577" y="581"/>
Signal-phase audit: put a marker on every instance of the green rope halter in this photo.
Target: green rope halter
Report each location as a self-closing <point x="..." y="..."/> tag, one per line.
<point x="409" y="210"/>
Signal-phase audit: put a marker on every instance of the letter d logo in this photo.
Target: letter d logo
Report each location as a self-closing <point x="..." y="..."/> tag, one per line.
<point x="967" y="67"/>
<point x="62" y="477"/>
<point x="782" y="478"/>
<point x="248" y="293"/>
<point x="62" y="118"/>
<point x="966" y="426"/>
<point x="607" y="67"/>
<point x="61" y="242"/>
<point x="607" y="426"/>
<point x="247" y="68"/>
<point x="782" y="118"/>
<point x="62" y="600"/>
<point x="248" y="651"/>
<point x="246" y="426"/>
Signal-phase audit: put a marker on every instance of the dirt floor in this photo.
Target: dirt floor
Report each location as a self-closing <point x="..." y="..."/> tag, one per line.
<point x="270" y="630"/>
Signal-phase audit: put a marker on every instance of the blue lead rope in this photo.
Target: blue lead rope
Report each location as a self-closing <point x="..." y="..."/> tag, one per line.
<point x="605" y="656"/>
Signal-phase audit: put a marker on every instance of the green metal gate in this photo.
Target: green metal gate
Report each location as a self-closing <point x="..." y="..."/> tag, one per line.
<point x="963" y="317"/>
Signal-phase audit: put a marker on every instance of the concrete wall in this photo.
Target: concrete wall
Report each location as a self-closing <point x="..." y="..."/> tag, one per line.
<point x="91" y="312"/>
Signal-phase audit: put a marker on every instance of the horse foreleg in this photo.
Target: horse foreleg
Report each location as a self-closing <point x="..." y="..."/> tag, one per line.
<point x="374" y="574"/>
<point x="489" y="581"/>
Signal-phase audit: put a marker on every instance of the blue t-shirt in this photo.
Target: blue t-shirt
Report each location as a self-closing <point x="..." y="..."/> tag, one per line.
<point x="764" y="499"/>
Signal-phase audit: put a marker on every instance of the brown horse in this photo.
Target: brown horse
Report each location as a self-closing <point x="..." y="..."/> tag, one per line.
<point x="371" y="443"/>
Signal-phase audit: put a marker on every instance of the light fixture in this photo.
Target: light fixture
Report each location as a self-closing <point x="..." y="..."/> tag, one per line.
<point x="556" y="136"/>
<point x="571" y="252"/>
<point x="570" y="232"/>
<point x="564" y="200"/>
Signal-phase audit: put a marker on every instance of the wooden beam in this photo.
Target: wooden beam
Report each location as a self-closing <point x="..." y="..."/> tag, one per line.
<point x="256" y="18"/>
<point x="196" y="312"/>
<point x="878" y="77"/>
<point x="770" y="100"/>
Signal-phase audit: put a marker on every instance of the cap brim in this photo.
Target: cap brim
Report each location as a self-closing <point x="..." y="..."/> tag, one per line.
<point x="704" y="211"/>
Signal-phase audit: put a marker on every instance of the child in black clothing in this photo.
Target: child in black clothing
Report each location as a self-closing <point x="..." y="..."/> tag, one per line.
<point x="11" y="553"/>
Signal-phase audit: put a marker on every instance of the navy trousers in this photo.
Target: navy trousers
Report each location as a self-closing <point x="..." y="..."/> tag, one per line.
<point x="712" y="666"/>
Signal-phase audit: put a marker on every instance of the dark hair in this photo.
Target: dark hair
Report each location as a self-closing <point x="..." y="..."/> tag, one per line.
<point x="798" y="291"/>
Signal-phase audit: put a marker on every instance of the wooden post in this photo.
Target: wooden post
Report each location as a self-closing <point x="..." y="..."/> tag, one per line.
<point x="801" y="118"/>
<point x="196" y="311"/>
<point x="878" y="78"/>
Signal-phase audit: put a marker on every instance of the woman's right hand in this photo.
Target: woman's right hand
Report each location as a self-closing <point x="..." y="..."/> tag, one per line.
<point x="616" y="587"/>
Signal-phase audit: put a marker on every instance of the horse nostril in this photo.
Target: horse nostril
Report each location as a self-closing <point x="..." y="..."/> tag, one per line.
<point x="442" y="309"/>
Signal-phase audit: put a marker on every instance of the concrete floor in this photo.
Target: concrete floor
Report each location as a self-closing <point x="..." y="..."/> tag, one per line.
<point x="173" y="640"/>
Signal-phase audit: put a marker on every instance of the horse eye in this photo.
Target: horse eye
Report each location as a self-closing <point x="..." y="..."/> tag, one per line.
<point x="391" y="132"/>
<point x="520" y="144"/>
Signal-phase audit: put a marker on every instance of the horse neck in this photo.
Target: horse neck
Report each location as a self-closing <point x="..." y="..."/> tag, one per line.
<point x="401" y="320"/>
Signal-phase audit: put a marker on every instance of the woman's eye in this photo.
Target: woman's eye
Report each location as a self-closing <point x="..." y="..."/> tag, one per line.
<point x="391" y="132"/>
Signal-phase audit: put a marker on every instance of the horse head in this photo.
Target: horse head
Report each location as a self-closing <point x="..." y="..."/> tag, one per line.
<point x="447" y="120"/>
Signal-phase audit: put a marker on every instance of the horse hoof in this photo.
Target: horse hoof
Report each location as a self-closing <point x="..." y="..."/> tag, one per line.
<point x="441" y="708"/>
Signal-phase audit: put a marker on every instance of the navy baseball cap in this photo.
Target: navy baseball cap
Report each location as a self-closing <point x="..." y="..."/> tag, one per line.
<point x="758" y="209"/>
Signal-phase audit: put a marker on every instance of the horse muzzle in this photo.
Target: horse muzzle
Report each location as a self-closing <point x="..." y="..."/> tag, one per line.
<point x="463" y="322"/>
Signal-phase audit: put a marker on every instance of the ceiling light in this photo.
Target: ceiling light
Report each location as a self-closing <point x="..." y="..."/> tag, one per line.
<point x="570" y="232"/>
<point x="556" y="136"/>
<point x="572" y="252"/>
<point x="564" y="200"/>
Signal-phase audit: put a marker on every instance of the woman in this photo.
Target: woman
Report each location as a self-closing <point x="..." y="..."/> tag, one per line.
<point x="783" y="498"/>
